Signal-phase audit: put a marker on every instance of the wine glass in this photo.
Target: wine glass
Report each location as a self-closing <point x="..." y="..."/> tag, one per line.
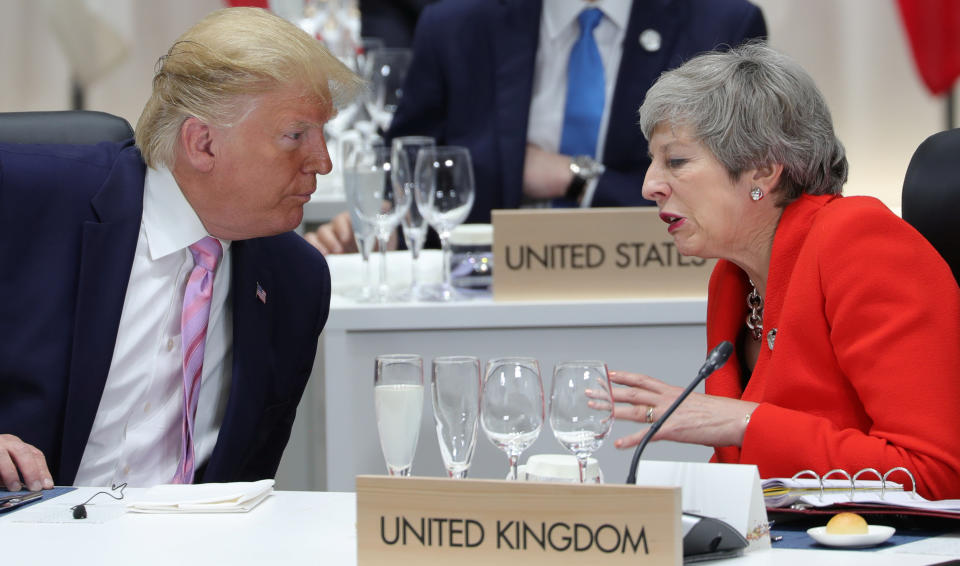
<point x="363" y="234"/>
<point x="398" y="401"/>
<point x="456" y="410"/>
<point x="404" y="158"/>
<point x="375" y="199"/>
<point x="511" y="406"/>
<point x="444" y="195"/>
<point x="363" y="230"/>
<point x="388" y="68"/>
<point x="581" y="408"/>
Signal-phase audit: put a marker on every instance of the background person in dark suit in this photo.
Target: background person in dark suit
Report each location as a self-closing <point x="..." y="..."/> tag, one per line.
<point x="392" y="21"/>
<point x="95" y="257"/>
<point x="492" y="76"/>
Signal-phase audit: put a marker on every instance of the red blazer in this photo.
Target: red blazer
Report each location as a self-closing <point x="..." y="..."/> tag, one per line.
<point x="864" y="371"/>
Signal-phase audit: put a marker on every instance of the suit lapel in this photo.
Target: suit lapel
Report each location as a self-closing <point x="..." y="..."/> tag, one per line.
<point x="515" y="45"/>
<point x="106" y="258"/>
<point x="252" y="361"/>
<point x="639" y="69"/>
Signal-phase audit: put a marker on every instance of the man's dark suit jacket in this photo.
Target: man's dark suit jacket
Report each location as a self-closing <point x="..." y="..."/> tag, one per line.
<point x="69" y="222"/>
<point x="471" y="82"/>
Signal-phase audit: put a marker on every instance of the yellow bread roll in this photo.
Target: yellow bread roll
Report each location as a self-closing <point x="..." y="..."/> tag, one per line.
<point x="847" y="524"/>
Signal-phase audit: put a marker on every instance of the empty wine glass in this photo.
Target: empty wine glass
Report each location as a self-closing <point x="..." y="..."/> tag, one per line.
<point x="388" y="68"/>
<point x="398" y="402"/>
<point x="404" y="157"/>
<point x="581" y="408"/>
<point x="363" y="230"/>
<point x="374" y="198"/>
<point x="456" y="410"/>
<point x="511" y="406"/>
<point x="444" y="195"/>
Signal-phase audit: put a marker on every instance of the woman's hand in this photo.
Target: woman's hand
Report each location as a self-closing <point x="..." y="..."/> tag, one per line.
<point x="700" y="419"/>
<point x="334" y="237"/>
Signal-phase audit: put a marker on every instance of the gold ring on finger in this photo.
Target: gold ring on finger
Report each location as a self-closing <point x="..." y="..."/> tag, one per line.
<point x="650" y="418"/>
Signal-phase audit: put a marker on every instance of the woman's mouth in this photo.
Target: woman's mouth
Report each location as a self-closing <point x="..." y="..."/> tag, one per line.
<point x="674" y="221"/>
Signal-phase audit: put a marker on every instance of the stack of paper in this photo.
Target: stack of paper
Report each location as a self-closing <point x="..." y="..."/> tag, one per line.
<point x="237" y="497"/>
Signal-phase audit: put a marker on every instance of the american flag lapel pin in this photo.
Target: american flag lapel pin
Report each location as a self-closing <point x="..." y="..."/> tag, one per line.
<point x="261" y="294"/>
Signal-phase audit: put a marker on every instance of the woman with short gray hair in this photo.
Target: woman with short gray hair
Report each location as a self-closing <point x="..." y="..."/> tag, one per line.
<point x="844" y="319"/>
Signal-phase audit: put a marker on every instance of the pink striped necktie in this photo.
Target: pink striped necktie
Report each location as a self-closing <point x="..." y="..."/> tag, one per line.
<point x="193" y="334"/>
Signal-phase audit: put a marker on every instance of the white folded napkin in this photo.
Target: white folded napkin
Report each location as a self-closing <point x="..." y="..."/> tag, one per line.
<point x="236" y="497"/>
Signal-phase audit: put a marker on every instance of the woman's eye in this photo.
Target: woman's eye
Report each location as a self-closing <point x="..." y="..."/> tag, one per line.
<point x="676" y="162"/>
<point x="295" y="135"/>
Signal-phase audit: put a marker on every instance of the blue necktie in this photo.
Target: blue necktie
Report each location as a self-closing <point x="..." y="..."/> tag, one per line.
<point x="586" y="90"/>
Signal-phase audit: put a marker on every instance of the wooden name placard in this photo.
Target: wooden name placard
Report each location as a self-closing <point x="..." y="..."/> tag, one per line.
<point x="593" y="253"/>
<point x="429" y="521"/>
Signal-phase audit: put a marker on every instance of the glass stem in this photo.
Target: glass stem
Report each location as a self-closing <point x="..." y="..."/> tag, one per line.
<point x="514" y="458"/>
<point x="403" y="472"/>
<point x="383" y="289"/>
<point x="445" y="245"/>
<point x="366" y="245"/>
<point x="461" y="475"/>
<point x="582" y="465"/>
<point x="414" y="256"/>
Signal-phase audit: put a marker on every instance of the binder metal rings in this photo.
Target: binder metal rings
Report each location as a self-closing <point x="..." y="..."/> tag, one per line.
<point x="853" y="480"/>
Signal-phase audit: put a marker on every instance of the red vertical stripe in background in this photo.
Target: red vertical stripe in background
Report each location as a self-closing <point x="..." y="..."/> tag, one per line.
<point x="933" y="27"/>
<point x="265" y="4"/>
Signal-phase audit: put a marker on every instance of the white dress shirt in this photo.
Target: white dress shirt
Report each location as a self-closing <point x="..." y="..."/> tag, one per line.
<point x="559" y="30"/>
<point x="136" y="433"/>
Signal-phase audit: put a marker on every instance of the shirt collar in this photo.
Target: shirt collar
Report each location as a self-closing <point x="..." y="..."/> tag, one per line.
<point x="169" y="221"/>
<point x="558" y="14"/>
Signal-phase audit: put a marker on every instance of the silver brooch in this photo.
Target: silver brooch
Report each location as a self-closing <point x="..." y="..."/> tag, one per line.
<point x="771" y="338"/>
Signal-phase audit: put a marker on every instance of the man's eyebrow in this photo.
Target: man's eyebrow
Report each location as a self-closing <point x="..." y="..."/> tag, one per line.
<point x="299" y="124"/>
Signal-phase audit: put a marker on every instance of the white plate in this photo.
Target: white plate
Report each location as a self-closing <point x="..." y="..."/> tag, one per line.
<point x="875" y="535"/>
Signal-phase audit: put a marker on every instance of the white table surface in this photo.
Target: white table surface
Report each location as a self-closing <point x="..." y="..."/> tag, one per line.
<point x="290" y="528"/>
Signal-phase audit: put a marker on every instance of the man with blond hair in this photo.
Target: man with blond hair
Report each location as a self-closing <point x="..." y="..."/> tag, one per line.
<point x="160" y="319"/>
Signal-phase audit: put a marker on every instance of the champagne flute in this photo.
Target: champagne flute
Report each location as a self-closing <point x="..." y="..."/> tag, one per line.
<point x="456" y="410"/>
<point x="511" y="406"/>
<point x="375" y="199"/>
<point x="398" y="401"/>
<point x="581" y="408"/>
<point x="444" y="195"/>
<point x="403" y="157"/>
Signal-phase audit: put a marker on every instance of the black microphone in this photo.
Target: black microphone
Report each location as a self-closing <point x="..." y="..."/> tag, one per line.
<point x="715" y="360"/>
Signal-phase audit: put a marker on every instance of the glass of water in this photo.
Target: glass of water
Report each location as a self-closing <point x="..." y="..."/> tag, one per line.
<point x="398" y="401"/>
<point x="375" y="199"/>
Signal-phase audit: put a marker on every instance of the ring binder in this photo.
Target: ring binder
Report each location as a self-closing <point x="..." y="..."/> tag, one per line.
<point x="809" y="492"/>
<point x="853" y="480"/>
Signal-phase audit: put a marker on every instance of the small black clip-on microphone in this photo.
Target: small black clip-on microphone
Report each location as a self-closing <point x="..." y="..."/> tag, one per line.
<point x="715" y="360"/>
<point x="80" y="511"/>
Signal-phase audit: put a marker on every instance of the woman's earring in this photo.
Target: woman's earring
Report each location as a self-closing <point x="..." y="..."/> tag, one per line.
<point x="756" y="193"/>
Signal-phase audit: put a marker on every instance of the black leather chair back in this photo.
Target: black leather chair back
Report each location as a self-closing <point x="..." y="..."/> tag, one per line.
<point x="63" y="126"/>
<point x="931" y="194"/>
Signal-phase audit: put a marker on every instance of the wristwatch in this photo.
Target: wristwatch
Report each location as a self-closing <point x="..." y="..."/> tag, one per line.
<point x="584" y="169"/>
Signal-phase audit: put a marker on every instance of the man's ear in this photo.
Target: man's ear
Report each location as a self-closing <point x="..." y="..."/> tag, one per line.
<point x="196" y="144"/>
